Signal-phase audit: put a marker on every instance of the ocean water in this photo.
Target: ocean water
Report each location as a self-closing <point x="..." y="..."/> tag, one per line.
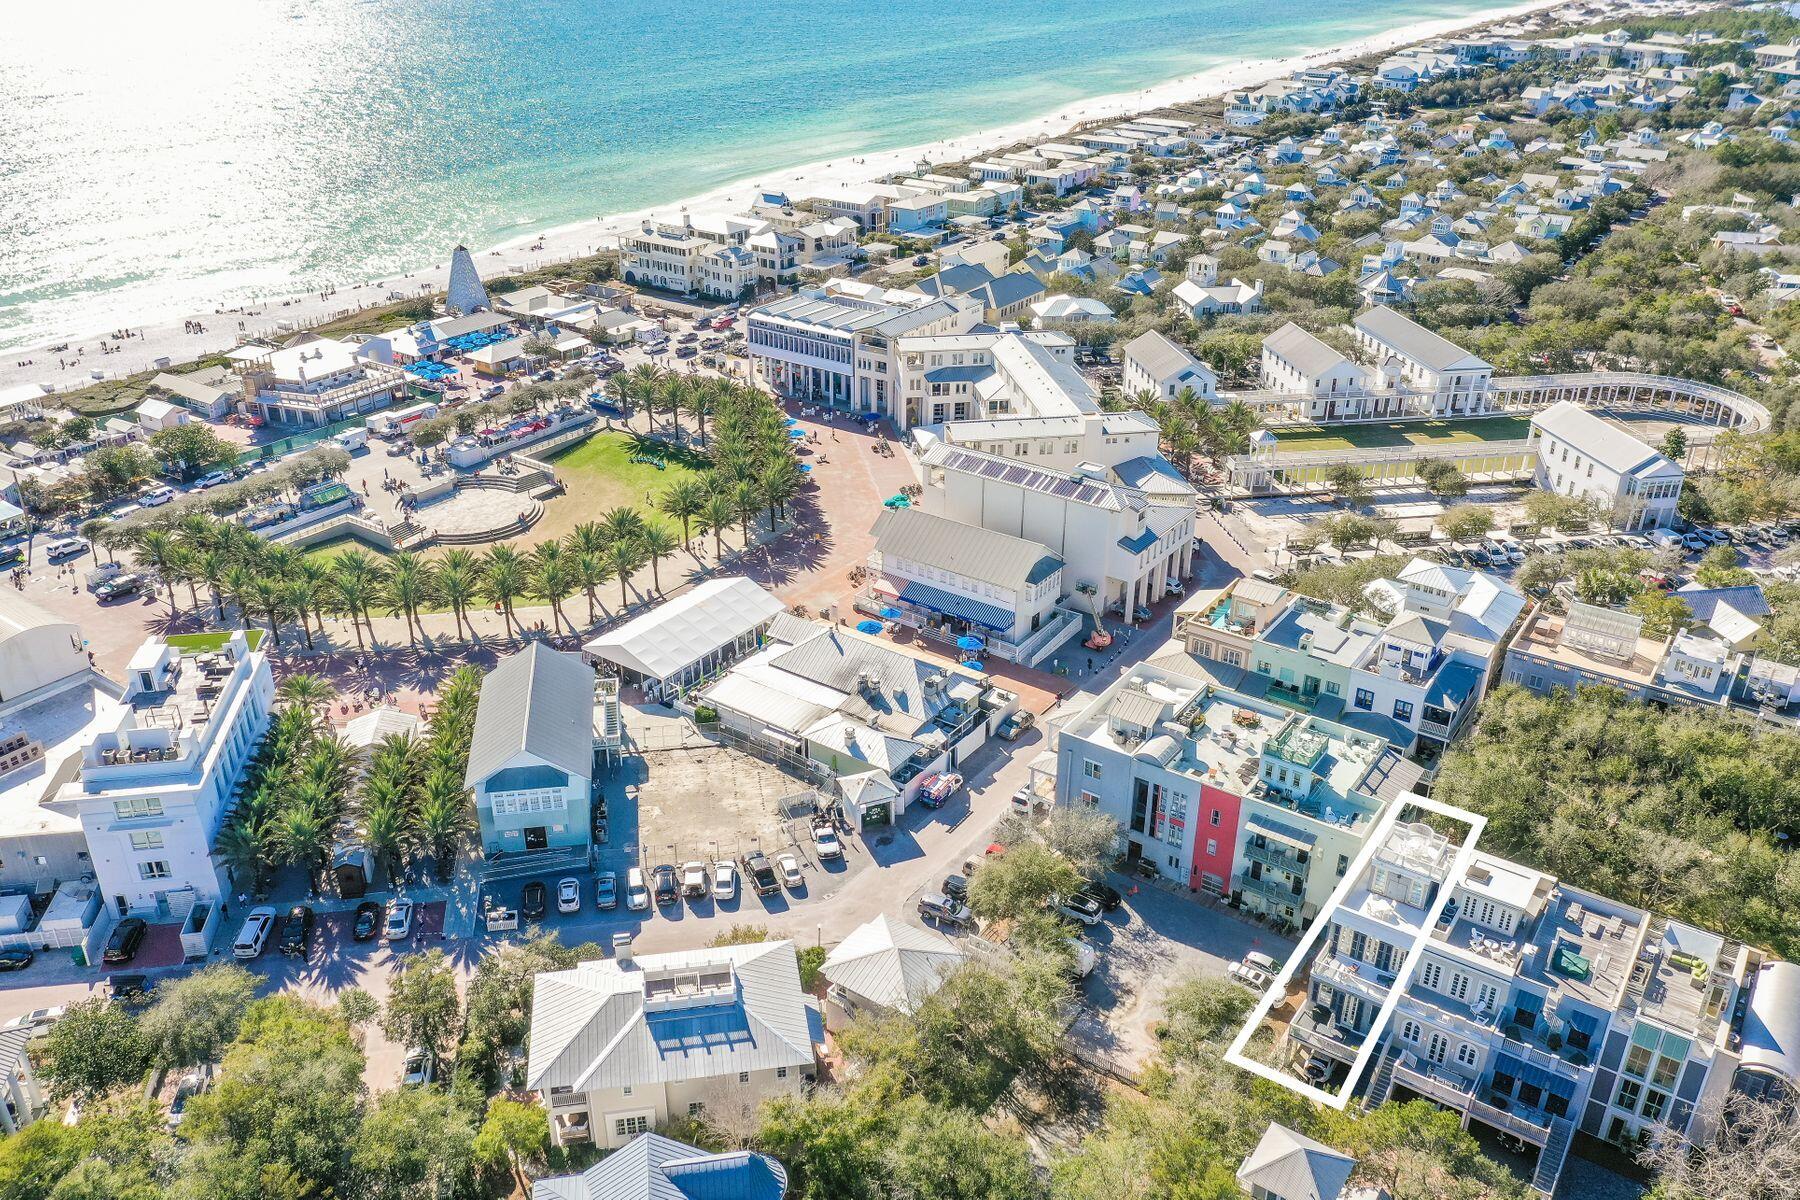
<point x="165" y="157"/>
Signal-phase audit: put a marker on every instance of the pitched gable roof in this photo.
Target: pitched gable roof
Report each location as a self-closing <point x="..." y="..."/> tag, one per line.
<point x="540" y="701"/>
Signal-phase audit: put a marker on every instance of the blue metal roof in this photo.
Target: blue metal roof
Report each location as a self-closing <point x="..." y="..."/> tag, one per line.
<point x="1453" y="685"/>
<point x="961" y="607"/>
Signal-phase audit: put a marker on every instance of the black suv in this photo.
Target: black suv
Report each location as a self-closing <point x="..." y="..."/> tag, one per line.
<point x="126" y="937"/>
<point x="532" y="903"/>
<point x="298" y="931"/>
<point x="664" y="886"/>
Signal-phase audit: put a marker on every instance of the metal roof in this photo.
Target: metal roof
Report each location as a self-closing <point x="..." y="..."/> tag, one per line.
<point x="684" y="630"/>
<point x="892" y="964"/>
<point x="600" y="1025"/>
<point x="1301" y="350"/>
<point x="966" y="550"/>
<point x="1295" y="1167"/>
<point x="653" y="1167"/>
<point x="1606" y="444"/>
<point x="539" y="701"/>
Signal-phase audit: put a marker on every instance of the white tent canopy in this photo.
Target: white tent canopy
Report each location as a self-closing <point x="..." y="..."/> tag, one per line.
<point x="673" y="636"/>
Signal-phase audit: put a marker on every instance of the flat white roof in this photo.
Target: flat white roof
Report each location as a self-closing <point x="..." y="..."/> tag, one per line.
<point x="688" y="628"/>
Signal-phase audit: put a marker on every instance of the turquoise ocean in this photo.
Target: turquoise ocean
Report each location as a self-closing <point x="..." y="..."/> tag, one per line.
<point x="164" y="157"/>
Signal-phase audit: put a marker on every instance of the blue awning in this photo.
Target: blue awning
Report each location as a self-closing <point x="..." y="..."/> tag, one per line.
<point x="1586" y="1022"/>
<point x="1524" y="1072"/>
<point x="949" y="604"/>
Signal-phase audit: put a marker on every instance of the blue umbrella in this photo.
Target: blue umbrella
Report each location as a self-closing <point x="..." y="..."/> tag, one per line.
<point x="791" y="421"/>
<point x="974" y="664"/>
<point x="807" y="467"/>
<point x="868" y="627"/>
<point x="890" y="613"/>
<point x="965" y="642"/>
<point x="796" y="433"/>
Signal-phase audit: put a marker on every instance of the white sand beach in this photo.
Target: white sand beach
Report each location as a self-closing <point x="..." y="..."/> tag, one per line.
<point x="171" y="339"/>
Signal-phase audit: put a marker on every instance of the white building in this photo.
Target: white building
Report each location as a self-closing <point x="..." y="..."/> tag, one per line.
<point x="1456" y="382"/>
<point x="531" y="757"/>
<point x="685" y="641"/>
<point x="317" y="382"/>
<point x="955" y="578"/>
<point x="835" y="345"/>
<point x="888" y="966"/>
<point x="1326" y="384"/>
<point x="1585" y="458"/>
<point x="706" y="254"/>
<point x="621" y="1046"/>
<point x="1156" y="365"/>
<point x="152" y="790"/>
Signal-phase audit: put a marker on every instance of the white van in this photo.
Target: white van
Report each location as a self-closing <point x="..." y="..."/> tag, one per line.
<point x="255" y="934"/>
<point x="1665" y="539"/>
<point x="352" y="440"/>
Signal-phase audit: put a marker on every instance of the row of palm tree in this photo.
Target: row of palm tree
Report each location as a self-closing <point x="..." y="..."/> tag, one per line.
<point x="411" y="798"/>
<point x="296" y="799"/>
<point x="1191" y="425"/>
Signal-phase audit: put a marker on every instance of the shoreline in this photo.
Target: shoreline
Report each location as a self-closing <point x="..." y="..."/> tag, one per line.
<point x="223" y="330"/>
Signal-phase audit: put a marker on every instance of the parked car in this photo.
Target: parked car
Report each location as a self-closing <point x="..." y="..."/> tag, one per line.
<point x="534" y="901"/>
<point x="211" y="479"/>
<point x="255" y="932"/>
<point x="60" y="548"/>
<point x="825" y="841"/>
<point x="724" y="880"/>
<point x="297" y="933"/>
<point x="1086" y="957"/>
<point x="942" y="910"/>
<point x="367" y="921"/>
<point x="1103" y="894"/>
<point x="1080" y="908"/>
<point x="1014" y="727"/>
<point x="418" y="1069"/>
<point x="956" y="887"/>
<point x="1024" y="799"/>
<point x="606" y="890"/>
<point x="37" y="1017"/>
<point x="568" y="895"/>
<point x="398" y="926"/>
<point x="1694" y="542"/>
<point x="762" y="875"/>
<point x="126" y="937"/>
<point x="16" y="958"/>
<point x="191" y="1085"/>
<point x="1251" y="977"/>
<point x="128" y="986"/>
<point x="637" y="896"/>
<point x="790" y="871"/>
<point x="663" y="884"/>
<point x="693" y="880"/>
<point x="119" y="586"/>
<point x="156" y="497"/>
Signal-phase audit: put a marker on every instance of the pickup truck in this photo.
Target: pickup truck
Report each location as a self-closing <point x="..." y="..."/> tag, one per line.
<point x="761" y="874"/>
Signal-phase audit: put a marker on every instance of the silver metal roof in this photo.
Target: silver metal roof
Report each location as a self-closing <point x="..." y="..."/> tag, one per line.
<point x="540" y="701"/>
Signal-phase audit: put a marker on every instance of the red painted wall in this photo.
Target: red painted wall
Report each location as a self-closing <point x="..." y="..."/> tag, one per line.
<point x="1220" y="863"/>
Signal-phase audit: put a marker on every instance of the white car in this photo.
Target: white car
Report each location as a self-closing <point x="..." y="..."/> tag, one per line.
<point x="37" y="1018"/>
<point x="1086" y="957"/>
<point x="789" y="866"/>
<point x="211" y="479"/>
<point x="255" y="934"/>
<point x="637" y="896"/>
<point x="825" y="842"/>
<point x="156" y="497"/>
<point x="724" y="883"/>
<point x="417" y="1069"/>
<point x="398" y="926"/>
<point x="64" y="547"/>
<point x="568" y="896"/>
<point x="693" y="880"/>
<point x="1249" y="976"/>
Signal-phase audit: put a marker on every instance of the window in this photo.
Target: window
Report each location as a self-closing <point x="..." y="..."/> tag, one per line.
<point x="1654" y="1103"/>
<point x="1212" y="846"/>
<point x="630" y="1126"/>
<point x="1365" y="699"/>
<point x="781" y="1072"/>
<point x="156" y="868"/>
<point x="743" y="1077"/>
<point x="1465" y="1054"/>
<point x="1436" y="1050"/>
<point x="150" y="839"/>
<point x="1403" y="710"/>
<point x="1343" y="864"/>
<point x="1432" y="975"/>
<point x="1215" y="818"/>
<point x="1332" y="689"/>
<point x="626" y="1090"/>
<point x="696" y="1107"/>
<point x="1664" y="1075"/>
<point x="1638" y="1061"/>
<point x="1629" y="1091"/>
<point x="137" y="806"/>
<point x="1090" y="768"/>
<point x="1410" y="1031"/>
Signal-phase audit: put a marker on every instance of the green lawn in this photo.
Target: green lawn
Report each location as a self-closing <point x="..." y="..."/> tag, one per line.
<point x="206" y="643"/>
<point x="327" y="551"/>
<point x="599" y="475"/>
<point x="1402" y="433"/>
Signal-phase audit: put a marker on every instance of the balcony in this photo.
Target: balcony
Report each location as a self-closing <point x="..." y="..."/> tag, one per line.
<point x="1268" y="889"/>
<point x="1280" y="860"/>
<point x="1358" y="976"/>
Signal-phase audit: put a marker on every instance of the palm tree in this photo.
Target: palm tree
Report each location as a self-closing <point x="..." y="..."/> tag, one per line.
<point x="621" y="524"/>
<point x="624" y="558"/>
<point x="383" y="824"/>
<point x="684" y="500"/>
<point x="243" y="845"/>
<point x="590" y="570"/>
<point x="552" y="579"/>
<point x="655" y="542"/>
<point x="746" y="499"/>
<point x="778" y="483"/>
<point x="503" y="579"/>
<point x="162" y="552"/>
<point x="442" y="816"/>
<point x="269" y="596"/>
<point x="458" y="582"/>
<point x="357" y="578"/>
<point x="307" y="693"/>
<point x="718" y="515"/>
<point x="302" y="835"/>
<point x="407" y="581"/>
<point x="211" y="567"/>
<point x="587" y="538"/>
<point x="640" y="384"/>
